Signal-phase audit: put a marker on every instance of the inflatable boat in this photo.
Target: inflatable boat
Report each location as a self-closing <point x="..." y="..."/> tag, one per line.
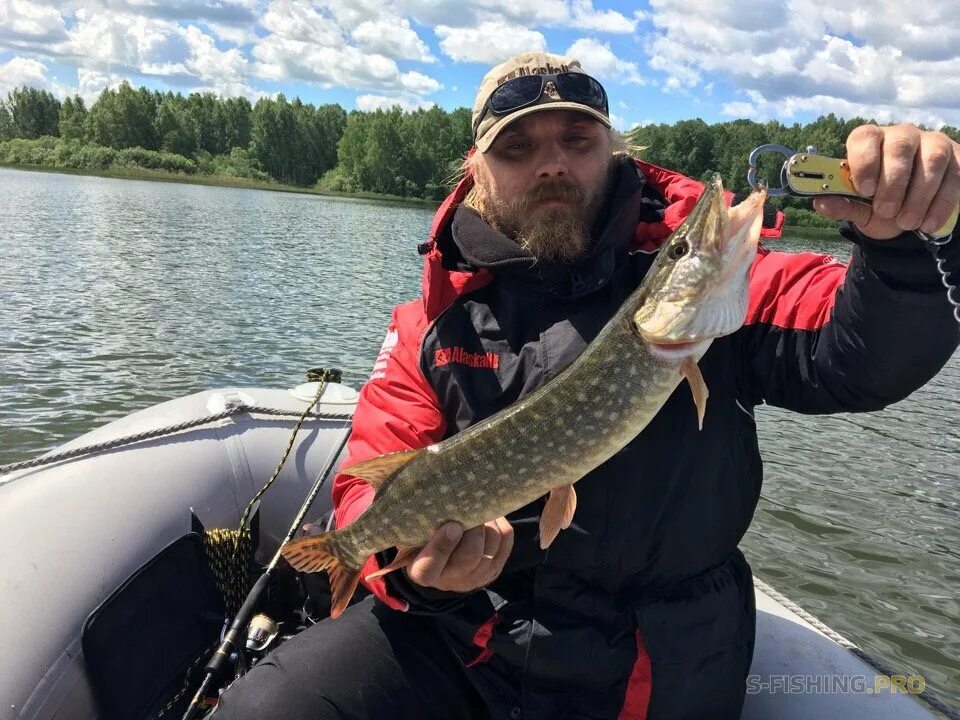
<point x="107" y="601"/>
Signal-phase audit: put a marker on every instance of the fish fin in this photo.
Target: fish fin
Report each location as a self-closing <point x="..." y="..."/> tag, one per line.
<point x="379" y="469"/>
<point x="557" y="514"/>
<point x="312" y="554"/>
<point x="343" y="583"/>
<point x="691" y="371"/>
<point x="404" y="557"/>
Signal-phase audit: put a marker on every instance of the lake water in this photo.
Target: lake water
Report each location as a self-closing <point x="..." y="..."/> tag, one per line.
<point x="118" y="294"/>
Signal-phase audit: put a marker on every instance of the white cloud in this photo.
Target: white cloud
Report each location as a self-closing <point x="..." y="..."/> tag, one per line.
<point x="490" y="43"/>
<point x="112" y="43"/>
<point x="803" y="56"/>
<point x="585" y="17"/>
<point x="619" y="123"/>
<point x="598" y="60"/>
<point x="231" y="12"/>
<point x="740" y="109"/>
<point x="222" y="71"/>
<point x="105" y="41"/>
<point x="284" y="59"/>
<point x="383" y="102"/>
<point x="301" y="21"/>
<point x="20" y="71"/>
<point x="24" y="24"/>
<point x="93" y="82"/>
<point x="392" y="37"/>
<point x="237" y="35"/>
<point x="307" y="42"/>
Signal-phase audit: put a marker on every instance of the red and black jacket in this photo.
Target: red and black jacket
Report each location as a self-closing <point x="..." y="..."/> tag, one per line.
<point x="644" y="607"/>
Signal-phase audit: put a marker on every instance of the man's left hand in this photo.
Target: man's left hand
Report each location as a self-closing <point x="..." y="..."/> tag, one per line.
<point x="912" y="175"/>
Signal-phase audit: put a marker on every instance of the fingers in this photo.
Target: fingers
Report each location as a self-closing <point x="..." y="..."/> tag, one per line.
<point x="467" y="556"/>
<point x="913" y="177"/>
<point x="930" y="165"/>
<point x="865" y="153"/>
<point x="900" y="146"/>
<point x="429" y="564"/>
<point x="948" y="196"/>
<point x="474" y="559"/>
<point x="491" y="541"/>
<point x="505" y="547"/>
<point x="841" y="208"/>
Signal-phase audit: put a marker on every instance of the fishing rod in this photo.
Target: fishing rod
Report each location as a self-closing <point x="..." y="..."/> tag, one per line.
<point x="232" y="639"/>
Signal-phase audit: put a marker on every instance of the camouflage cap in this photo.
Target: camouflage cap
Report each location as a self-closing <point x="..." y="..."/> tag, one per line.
<point x="528" y="63"/>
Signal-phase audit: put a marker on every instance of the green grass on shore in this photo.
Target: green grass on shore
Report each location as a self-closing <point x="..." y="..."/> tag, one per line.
<point x="131" y="173"/>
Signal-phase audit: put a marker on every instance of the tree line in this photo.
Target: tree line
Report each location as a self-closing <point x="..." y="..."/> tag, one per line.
<point x="394" y="152"/>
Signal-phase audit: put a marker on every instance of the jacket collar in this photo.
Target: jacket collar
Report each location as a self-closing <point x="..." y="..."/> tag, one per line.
<point x="475" y="244"/>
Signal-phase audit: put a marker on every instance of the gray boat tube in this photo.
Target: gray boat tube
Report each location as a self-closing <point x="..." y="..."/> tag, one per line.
<point x="75" y="530"/>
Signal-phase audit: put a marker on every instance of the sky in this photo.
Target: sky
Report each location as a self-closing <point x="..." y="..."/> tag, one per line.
<point x="660" y="60"/>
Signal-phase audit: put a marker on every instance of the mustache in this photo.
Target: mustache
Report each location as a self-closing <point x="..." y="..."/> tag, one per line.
<point x="565" y="190"/>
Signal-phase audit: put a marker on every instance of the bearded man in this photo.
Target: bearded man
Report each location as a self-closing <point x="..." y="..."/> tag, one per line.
<point x="644" y="607"/>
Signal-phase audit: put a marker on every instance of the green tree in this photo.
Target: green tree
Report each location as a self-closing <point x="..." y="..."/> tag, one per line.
<point x="124" y="118"/>
<point x="33" y="113"/>
<point x="207" y="112"/>
<point x="273" y="137"/>
<point x="236" y="119"/>
<point x="73" y="118"/>
<point x="176" y="126"/>
<point x="6" y="122"/>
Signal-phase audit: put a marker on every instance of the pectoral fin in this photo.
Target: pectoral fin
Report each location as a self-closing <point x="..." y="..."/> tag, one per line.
<point x="377" y="471"/>
<point x="557" y="514"/>
<point x="691" y="371"/>
<point x="405" y="556"/>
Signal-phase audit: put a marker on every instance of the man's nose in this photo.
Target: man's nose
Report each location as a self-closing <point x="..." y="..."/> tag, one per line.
<point x="553" y="163"/>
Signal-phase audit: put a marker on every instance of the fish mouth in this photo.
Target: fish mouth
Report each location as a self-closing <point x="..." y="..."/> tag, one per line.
<point x="677" y="349"/>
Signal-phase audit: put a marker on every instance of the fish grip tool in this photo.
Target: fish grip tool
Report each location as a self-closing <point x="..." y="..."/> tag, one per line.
<point x="234" y="637"/>
<point x="808" y="174"/>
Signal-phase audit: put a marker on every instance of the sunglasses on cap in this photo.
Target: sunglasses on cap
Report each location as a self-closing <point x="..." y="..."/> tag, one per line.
<point x="526" y="90"/>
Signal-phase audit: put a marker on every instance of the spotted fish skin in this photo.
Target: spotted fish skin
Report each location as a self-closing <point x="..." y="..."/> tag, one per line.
<point x="696" y="290"/>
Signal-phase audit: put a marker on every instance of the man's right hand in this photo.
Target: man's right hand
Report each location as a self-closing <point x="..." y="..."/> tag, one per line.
<point x="458" y="561"/>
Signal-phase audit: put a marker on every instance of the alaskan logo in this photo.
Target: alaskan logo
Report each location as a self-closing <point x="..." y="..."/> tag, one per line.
<point x="459" y="356"/>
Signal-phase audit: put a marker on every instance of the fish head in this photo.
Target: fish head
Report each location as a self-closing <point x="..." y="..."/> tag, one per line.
<point x="696" y="289"/>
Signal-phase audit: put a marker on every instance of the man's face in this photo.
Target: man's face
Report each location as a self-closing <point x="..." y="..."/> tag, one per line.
<point x="543" y="181"/>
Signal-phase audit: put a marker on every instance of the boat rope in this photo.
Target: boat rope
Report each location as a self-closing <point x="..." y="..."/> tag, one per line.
<point x="230" y="551"/>
<point x="232" y="410"/>
<point x="876" y="663"/>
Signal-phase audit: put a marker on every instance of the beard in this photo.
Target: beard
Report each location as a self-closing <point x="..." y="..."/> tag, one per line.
<point x="555" y="232"/>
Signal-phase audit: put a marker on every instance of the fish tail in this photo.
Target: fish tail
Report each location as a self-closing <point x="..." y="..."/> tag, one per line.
<point x="315" y="553"/>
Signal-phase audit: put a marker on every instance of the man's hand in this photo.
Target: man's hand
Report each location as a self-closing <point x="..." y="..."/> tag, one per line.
<point x="912" y="175"/>
<point x="459" y="561"/>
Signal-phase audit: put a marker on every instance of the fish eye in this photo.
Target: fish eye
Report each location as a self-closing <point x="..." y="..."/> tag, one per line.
<point x="679" y="250"/>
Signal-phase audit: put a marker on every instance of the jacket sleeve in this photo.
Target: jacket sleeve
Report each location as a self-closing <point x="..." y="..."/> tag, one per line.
<point x="397" y="410"/>
<point x="822" y="337"/>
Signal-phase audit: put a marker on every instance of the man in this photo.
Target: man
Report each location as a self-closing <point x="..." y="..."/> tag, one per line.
<point x="644" y="607"/>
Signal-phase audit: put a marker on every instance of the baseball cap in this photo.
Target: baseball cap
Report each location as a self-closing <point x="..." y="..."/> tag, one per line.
<point x="525" y="64"/>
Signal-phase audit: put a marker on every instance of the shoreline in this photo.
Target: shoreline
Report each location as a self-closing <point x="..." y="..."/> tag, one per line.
<point x="229" y="181"/>
<point x="241" y="183"/>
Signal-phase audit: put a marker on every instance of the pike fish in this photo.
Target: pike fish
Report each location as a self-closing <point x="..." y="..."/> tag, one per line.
<point x="695" y="291"/>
